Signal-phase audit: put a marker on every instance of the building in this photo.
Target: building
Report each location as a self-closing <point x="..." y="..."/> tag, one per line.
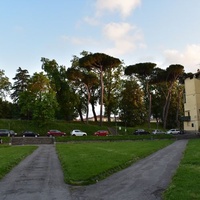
<point x="192" y="104"/>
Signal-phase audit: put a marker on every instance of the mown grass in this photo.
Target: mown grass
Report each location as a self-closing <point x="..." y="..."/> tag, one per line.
<point x="185" y="183"/>
<point x="10" y="156"/>
<point x="86" y="163"/>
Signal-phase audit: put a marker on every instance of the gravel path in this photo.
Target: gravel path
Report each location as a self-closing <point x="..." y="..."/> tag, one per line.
<point x="39" y="177"/>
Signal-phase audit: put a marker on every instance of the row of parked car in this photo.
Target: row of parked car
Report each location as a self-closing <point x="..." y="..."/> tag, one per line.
<point x="157" y="131"/>
<point x="50" y="133"/>
<point x="76" y="132"/>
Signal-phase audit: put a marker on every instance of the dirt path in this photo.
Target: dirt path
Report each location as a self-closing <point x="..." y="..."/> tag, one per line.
<point x="39" y="177"/>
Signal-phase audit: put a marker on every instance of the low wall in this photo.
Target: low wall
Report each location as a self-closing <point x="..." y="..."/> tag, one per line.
<point x="31" y="140"/>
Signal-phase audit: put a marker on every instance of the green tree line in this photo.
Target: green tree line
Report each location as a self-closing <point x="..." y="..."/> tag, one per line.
<point x="134" y="93"/>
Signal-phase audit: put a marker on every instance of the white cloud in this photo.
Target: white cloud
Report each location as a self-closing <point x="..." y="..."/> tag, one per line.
<point x="125" y="7"/>
<point x="78" y="40"/>
<point x="124" y="38"/>
<point x="91" y="21"/>
<point x="189" y="57"/>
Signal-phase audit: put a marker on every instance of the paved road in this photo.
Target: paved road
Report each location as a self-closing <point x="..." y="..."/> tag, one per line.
<point x="39" y="177"/>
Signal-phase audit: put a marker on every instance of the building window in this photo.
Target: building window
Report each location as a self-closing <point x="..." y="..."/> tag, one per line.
<point x="184" y="97"/>
<point x="192" y="125"/>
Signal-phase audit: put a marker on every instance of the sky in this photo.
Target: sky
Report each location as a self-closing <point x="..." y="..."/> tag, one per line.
<point x="161" y="31"/>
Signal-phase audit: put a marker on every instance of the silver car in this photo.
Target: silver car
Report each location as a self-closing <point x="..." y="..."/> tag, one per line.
<point x="173" y="131"/>
<point x="157" y="131"/>
<point x="78" y="133"/>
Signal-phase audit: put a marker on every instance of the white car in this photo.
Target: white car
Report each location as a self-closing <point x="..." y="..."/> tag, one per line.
<point x="78" y="133"/>
<point x="173" y="131"/>
<point x="157" y="131"/>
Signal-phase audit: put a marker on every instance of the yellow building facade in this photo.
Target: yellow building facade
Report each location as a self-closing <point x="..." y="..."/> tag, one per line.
<point x="192" y="104"/>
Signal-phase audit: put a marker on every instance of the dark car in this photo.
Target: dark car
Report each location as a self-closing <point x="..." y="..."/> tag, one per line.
<point x="4" y="132"/>
<point x="140" y="132"/>
<point x="55" y="133"/>
<point x="7" y="132"/>
<point x="101" y="133"/>
<point x="30" y="134"/>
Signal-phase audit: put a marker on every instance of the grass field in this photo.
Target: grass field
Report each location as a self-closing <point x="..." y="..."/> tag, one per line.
<point x="185" y="183"/>
<point x="86" y="163"/>
<point x="10" y="156"/>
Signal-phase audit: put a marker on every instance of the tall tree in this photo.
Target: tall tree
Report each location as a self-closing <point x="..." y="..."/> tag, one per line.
<point x="113" y="79"/>
<point x="99" y="62"/>
<point x="131" y="103"/>
<point x="169" y="77"/>
<point x="20" y="84"/>
<point x="83" y="79"/>
<point x="84" y="82"/>
<point x="4" y="84"/>
<point x="39" y="99"/>
<point x="65" y="96"/>
<point x="143" y="71"/>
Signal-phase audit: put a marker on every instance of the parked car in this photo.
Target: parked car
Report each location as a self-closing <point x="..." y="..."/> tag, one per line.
<point x="55" y="133"/>
<point x="173" y="131"/>
<point x="101" y="133"/>
<point x="12" y="133"/>
<point x="140" y="132"/>
<point x="30" y="134"/>
<point x="78" y="133"/>
<point x="7" y="132"/>
<point x="157" y="131"/>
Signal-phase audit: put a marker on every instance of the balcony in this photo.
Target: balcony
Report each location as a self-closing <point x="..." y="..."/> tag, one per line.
<point x="185" y="118"/>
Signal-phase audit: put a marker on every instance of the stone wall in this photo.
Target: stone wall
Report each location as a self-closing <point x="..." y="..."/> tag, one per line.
<point x="32" y="140"/>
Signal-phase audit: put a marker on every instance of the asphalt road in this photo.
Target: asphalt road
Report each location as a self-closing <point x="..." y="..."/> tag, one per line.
<point x="39" y="177"/>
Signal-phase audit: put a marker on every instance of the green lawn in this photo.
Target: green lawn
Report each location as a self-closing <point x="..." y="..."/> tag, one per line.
<point x="185" y="183"/>
<point x="10" y="156"/>
<point x="86" y="163"/>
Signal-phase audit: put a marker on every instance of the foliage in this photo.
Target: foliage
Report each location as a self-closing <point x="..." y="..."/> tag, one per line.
<point x="99" y="63"/>
<point x="66" y="98"/>
<point x="132" y="107"/>
<point x="83" y="82"/>
<point x="6" y="109"/>
<point x="20" y="85"/>
<point x="39" y="99"/>
<point x="169" y="77"/>
<point x="113" y="83"/>
<point x="4" y="85"/>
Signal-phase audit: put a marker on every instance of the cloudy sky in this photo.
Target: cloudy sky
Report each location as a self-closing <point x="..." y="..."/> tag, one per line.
<point x="161" y="31"/>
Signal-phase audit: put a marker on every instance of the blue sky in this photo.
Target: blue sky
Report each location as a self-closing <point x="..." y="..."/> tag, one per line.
<point x="161" y="31"/>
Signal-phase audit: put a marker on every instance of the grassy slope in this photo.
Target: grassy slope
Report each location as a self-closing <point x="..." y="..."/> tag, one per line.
<point x="21" y="125"/>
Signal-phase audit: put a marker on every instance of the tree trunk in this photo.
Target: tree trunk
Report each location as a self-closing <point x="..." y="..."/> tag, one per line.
<point x="149" y="119"/>
<point x="102" y="89"/>
<point x="88" y="101"/>
<point x="80" y="114"/>
<point x="94" y="112"/>
<point x="166" y="109"/>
